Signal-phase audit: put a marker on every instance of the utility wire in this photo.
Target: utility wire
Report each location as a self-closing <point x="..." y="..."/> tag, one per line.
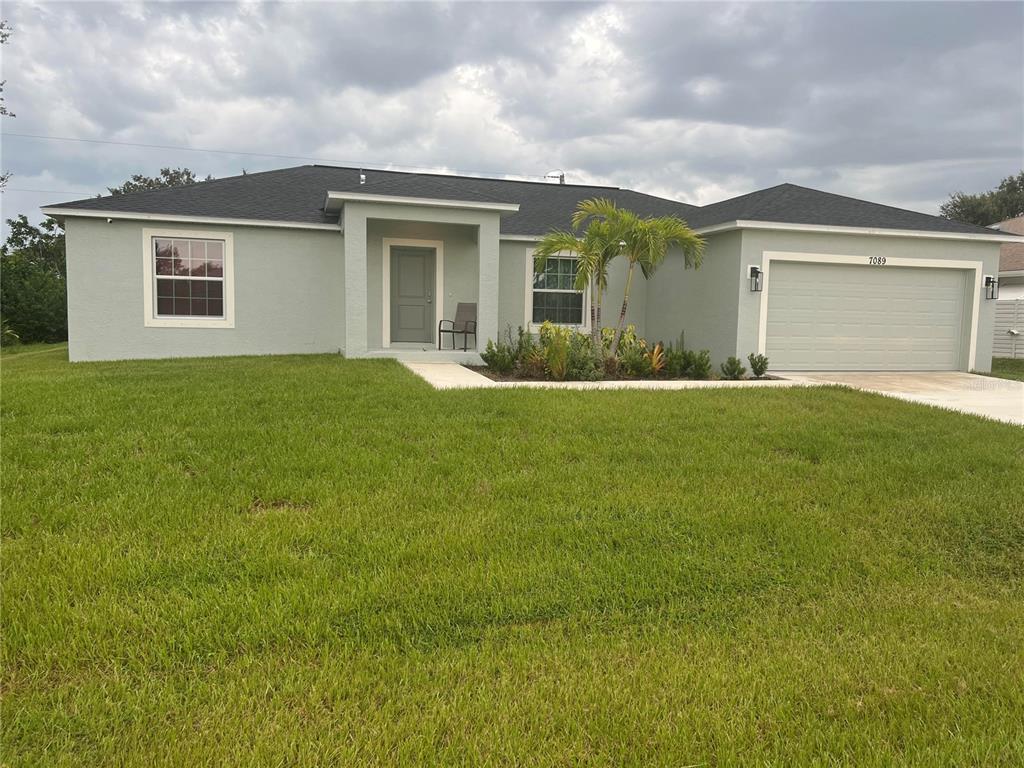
<point x="252" y="154"/>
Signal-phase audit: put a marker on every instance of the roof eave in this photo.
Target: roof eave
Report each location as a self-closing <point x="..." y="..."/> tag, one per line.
<point x="835" y="229"/>
<point x="60" y="213"/>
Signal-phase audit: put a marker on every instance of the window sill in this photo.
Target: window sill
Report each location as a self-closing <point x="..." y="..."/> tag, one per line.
<point x="189" y="322"/>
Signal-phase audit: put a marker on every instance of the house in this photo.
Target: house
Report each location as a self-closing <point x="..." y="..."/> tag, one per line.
<point x="1008" y="330"/>
<point x="1011" y="260"/>
<point x="366" y="262"/>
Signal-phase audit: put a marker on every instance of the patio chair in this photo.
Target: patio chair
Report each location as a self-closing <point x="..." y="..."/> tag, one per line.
<point x="464" y="324"/>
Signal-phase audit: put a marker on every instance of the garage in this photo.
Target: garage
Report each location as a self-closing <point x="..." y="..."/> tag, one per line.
<point x="870" y="316"/>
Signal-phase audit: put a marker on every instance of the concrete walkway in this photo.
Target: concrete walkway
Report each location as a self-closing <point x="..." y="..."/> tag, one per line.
<point x="453" y="376"/>
<point x="999" y="399"/>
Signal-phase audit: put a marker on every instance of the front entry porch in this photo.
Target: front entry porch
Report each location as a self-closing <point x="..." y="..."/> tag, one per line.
<point x="408" y="265"/>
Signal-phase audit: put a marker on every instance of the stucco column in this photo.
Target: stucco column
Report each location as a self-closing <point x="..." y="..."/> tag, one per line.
<point x="487" y="295"/>
<point x="355" y="281"/>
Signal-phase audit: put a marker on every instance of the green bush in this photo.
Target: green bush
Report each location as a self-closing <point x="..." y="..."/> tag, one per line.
<point x="635" y="363"/>
<point x="758" y="365"/>
<point x="554" y="341"/>
<point x="34" y="299"/>
<point x="698" y="364"/>
<point x="733" y="369"/>
<point x="499" y="357"/>
<point x="582" y="363"/>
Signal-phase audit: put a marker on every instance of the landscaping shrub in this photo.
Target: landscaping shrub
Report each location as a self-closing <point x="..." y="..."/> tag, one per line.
<point x="634" y="362"/>
<point x="657" y="359"/>
<point x="554" y="341"/>
<point x="499" y="357"/>
<point x="582" y="363"/>
<point x="698" y="364"/>
<point x="733" y="369"/>
<point x="758" y="365"/>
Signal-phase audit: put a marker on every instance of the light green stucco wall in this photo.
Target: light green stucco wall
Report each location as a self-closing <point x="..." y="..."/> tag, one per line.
<point x="756" y="242"/>
<point x="288" y="289"/>
<point x="701" y="302"/>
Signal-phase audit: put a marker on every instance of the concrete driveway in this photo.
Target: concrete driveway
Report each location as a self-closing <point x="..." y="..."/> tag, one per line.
<point x="998" y="399"/>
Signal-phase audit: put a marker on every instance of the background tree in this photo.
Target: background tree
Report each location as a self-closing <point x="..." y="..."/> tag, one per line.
<point x="168" y="177"/>
<point x="33" y="282"/>
<point x="5" y="33"/>
<point x="1004" y="202"/>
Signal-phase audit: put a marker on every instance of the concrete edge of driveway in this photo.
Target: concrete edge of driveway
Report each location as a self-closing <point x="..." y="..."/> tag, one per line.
<point x="987" y="396"/>
<point x="455" y="376"/>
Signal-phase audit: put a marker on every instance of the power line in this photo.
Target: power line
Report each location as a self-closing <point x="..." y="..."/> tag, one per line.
<point x="50" y="191"/>
<point x="254" y="154"/>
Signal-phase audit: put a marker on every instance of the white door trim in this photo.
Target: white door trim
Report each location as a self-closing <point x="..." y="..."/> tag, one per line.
<point x="438" y="246"/>
<point x="767" y="257"/>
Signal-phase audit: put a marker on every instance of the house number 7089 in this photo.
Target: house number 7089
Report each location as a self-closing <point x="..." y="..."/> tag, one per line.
<point x="878" y="261"/>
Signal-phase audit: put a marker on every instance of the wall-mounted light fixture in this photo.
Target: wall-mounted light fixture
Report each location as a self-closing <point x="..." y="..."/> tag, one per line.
<point x="991" y="287"/>
<point x="756" y="278"/>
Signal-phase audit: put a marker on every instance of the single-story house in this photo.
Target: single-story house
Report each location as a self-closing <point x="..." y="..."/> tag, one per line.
<point x="1011" y="260"/>
<point x="366" y="262"/>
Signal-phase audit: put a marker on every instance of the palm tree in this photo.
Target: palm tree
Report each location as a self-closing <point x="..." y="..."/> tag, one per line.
<point x="594" y="249"/>
<point x="645" y="241"/>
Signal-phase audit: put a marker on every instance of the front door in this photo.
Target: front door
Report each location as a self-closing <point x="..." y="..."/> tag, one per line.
<point x="412" y="294"/>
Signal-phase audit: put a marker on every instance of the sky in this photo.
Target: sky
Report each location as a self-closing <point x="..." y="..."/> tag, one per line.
<point x="900" y="103"/>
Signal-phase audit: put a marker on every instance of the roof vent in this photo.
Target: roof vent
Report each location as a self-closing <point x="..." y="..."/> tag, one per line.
<point x="362" y="177"/>
<point x="558" y="173"/>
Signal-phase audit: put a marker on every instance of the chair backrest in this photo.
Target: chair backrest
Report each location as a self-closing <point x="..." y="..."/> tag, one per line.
<point x="464" y="313"/>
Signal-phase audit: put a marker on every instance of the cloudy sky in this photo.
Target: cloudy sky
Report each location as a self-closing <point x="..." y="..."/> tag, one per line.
<point x="901" y="103"/>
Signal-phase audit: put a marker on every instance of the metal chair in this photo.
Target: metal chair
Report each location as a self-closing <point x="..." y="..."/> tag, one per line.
<point x="464" y="324"/>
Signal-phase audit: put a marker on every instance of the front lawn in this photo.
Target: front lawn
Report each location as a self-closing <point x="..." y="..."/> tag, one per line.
<point x="1007" y="368"/>
<point x="307" y="560"/>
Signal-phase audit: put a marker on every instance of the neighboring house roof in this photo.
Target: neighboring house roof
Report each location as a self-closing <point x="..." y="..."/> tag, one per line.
<point x="1011" y="255"/>
<point x="298" y="195"/>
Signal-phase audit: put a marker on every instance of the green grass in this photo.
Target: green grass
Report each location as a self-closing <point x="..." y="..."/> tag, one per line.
<point x="307" y="560"/>
<point x="1005" y="368"/>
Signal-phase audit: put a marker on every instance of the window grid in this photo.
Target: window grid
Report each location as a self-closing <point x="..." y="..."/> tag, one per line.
<point x="189" y="275"/>
<point x="555" y="297"/>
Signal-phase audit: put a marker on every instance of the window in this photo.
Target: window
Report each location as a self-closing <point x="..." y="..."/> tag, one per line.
<point x="188" y="279"/>
<point x="555" y="297"/>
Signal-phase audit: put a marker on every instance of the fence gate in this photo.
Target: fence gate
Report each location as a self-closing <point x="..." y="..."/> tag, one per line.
<point x="1009" y="333"/>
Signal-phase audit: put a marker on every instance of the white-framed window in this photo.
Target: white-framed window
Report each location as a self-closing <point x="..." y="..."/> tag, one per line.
<point x="189" y="278"/>
<point x="552" y="294"/>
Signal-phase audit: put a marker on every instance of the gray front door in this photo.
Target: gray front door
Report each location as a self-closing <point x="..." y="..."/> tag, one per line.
<point x="412" y="294"/>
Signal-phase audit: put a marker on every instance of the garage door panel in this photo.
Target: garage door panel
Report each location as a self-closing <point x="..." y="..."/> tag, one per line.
<point x="853" y="317"/>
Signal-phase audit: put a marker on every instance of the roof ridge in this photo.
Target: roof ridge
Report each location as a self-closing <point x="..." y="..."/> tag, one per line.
<point x="459" y="176"/>
<point x="438" y="181"/>
<point x="747" y="194"/>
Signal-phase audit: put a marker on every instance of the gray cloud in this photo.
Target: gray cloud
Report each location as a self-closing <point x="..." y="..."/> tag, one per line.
<point x="898" y="102"/>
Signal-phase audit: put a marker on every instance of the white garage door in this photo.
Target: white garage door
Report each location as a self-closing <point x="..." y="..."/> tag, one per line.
<point x="845" y="317"/>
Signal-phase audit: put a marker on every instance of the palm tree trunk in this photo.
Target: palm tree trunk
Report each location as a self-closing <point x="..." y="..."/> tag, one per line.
<point x="622" y="312"/>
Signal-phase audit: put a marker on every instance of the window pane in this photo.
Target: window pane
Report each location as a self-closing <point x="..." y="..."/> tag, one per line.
<point x="180" y="255"/>
<point x="181" y="289"/>
<point x="182" y="307"/>
<point x="214" y="269"/>
<point x="165" y="288"/>
<point x="214" y="250"/>
<point x="199" y="307"/>
<point x="165" y="306"/>
<point x="214" y="289"/>
<point x="163" y="248"/>
<point x="215" y="308"/>
<point x="198" y="288"/>
<point x="165" y="266"/>
<point x="198" y="261"/>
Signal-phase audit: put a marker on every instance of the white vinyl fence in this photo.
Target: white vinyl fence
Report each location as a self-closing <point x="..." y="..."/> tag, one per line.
<point x="1009" y="332"/>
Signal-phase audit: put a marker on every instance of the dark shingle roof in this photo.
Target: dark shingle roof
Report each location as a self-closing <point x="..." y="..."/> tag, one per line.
<point x="793" y="204"/>
<point x="298" y="194"/>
